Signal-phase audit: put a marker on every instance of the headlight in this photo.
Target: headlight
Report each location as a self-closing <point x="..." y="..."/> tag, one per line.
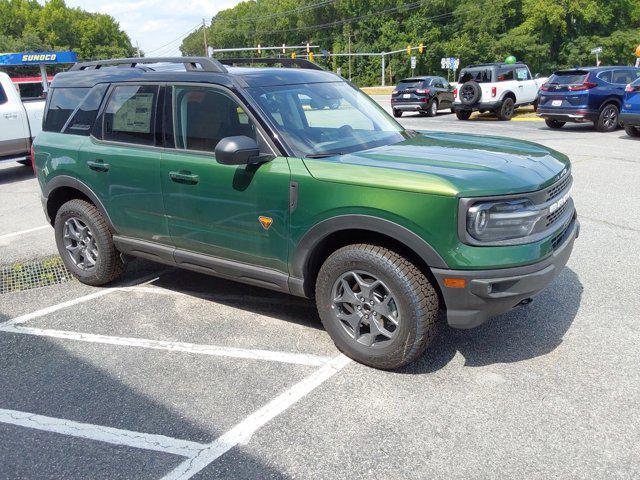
<point x="496" y="221"/>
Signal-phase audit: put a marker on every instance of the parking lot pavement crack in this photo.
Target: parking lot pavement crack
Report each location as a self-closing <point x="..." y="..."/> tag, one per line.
<point x="610" y="224"/>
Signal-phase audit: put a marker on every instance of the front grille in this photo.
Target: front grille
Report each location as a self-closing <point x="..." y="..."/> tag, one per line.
<point x="562" y="236"/>
<point x="551" y="218"/>
<point x="558" y="187"/>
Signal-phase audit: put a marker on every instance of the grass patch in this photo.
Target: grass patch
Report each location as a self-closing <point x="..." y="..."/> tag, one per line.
<point x="35" y="274"/>
<point x="377" y="90"/>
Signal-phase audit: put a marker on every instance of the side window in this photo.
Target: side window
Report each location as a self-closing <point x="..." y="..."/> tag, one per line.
<point x="3" y="96"/>
<point x="622" y="77"/>
<point x="62" y="103"/>
<point x="84" y="117"/>
<point x="522" y="74"/>
<point x="437" y="83"/>
<point x="130" y="114"/>
<point x="605" y="76"/>
<point x="505" y="74"/>
<point x="203" y="116"/>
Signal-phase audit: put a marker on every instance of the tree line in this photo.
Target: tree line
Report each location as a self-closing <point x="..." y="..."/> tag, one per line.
<point x="26" y="25"/>
<point x="546" y="34"/>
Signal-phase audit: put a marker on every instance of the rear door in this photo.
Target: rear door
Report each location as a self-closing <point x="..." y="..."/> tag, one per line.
<point x="122" y="164"/>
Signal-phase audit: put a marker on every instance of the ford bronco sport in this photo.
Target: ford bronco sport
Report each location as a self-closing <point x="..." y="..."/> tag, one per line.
<point x="256" y="175"/>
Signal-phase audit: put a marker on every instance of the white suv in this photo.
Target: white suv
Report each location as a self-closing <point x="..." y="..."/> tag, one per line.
<point x="496" y="87"/>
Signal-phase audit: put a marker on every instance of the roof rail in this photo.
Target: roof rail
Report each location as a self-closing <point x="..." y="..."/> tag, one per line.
<point x="285" y="62"/>
<point x="190" y="63"/>
<point x="473" y="65"/>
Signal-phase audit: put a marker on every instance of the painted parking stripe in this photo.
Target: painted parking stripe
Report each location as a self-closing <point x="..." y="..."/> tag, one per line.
<point x="23" y="232"/>
<point x="243" y="431"/>
<point x="183" y="347"/>
<point x="115" y="436"/>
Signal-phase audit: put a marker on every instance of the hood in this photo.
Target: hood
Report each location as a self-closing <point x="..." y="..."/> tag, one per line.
<point x="448" y="164"/>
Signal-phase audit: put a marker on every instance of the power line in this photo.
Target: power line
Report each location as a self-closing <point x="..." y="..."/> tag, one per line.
<point x="180" y="38"/>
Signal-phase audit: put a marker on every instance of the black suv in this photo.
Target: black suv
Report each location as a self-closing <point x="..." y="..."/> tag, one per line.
<point x="425" y="95"/>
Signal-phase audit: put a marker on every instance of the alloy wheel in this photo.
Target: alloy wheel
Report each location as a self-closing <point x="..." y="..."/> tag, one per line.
<point x="80" y="244"/>
<point x="366" y="308"/>
<point x="610" y="117"/>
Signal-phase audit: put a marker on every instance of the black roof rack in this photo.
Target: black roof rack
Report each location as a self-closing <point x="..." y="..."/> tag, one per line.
<point x="474" y="65"/>
<point x="190" y="63"/>
<point x="285" y="62"/>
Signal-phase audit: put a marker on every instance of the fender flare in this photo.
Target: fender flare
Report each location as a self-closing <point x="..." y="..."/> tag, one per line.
<point x="62" y="181"/>
<point x="508" y="93"/>
<point x="321" y="230"/>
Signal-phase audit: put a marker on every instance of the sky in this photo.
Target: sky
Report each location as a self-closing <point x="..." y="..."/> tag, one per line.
<point x="157" y="25"/>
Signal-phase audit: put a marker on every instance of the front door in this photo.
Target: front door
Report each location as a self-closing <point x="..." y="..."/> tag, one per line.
<point x="239" y="213"/>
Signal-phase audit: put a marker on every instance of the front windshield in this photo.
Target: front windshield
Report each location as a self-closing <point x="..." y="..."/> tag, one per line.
<point x="319" y="119"/>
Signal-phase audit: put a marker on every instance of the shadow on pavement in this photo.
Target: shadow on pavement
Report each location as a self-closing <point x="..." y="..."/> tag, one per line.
<point x="521" y="334"/>
<point x="15" y="173"/>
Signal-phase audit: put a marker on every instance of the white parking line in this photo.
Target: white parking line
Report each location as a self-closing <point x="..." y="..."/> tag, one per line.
<point x="115" y="436"/>
<point x="243" y="431"/>
<point x="200" y="349"/>
<point x="23" y="232"/>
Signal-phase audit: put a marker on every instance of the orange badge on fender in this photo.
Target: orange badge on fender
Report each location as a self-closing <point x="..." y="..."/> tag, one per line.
<point x="265" y="222"/>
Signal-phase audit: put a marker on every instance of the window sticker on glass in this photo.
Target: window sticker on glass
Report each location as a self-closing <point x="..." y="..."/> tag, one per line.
<point x="132" y="113"/>
<point x="522" y="74"/>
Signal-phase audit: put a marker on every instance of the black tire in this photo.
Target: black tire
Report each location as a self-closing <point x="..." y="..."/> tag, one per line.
<point x="632" y="131"/>
<point x="535" y="105"/>
<point x="414" y="297"/>
<point x="506" y="110"/>
<point x="433" y="108"/>
<point x="422" y="113"/>
<point x="470" y="93"/>
<point x="108" y="264"/>
<point x="397" y="113"/>
<point x="555" y="124"/>
<point x="26" y="163"/>
<point x="463" y="114"/>
<point x="609" y="118"/>
<point x="453" y="110"/>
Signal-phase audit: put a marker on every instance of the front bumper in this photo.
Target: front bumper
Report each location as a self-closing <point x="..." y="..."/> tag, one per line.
<point x="491" y="292"/>
<point x="568" y="114"/>
<point x="630" y="118"/>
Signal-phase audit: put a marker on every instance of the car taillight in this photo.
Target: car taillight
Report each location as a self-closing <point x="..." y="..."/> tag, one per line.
<point x="455" y="92"/>
<point x="632" y="88"/>
<point x="395" y="92"/>
<point x="33" y="160"/>
<point x="494" y="91"/>
<point x="422" y="91"/>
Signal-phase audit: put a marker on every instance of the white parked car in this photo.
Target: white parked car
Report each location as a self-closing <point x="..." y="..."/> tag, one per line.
<point x="20" y="122"/>
<point x="495" y="87"/>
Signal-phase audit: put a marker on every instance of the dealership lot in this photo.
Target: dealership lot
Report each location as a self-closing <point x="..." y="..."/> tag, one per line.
<point x="173" y="374"/>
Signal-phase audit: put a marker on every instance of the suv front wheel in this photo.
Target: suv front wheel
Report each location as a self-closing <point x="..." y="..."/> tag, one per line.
<point x="85" y="243"/>
<point x="377" y="306"/>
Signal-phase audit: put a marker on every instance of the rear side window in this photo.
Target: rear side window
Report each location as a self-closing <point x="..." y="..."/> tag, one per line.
<point x="130" y="114"/>
<point x="3" y="96"/>
<point x="623" y="77"/>
<point x="522" y="74"/>
<point x="81" y="122"/>
<point x="505" y="74"/>
<point x="62" y="103"/>
<point x="605" y="76"/>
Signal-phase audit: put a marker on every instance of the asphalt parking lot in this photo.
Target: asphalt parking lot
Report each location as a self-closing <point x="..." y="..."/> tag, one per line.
<point x="171" y="374"/>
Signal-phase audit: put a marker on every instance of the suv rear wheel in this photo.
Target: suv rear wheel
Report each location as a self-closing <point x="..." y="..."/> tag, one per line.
<point x="555" y="124"/>
<point x="609" y="118"/>
<point x="378" y="307"/>
<point x="463" y="114"/>
<point x="506" y="110"/>
<point x="397" y="113"/>
<point x="85" y="243"/>
<point x="433" y="108"/>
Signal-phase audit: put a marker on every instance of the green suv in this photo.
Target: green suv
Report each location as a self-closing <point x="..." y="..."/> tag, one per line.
<point x="292" y="179"/>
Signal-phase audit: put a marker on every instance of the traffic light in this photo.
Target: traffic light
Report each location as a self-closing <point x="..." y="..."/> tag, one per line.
<point x="311" y="56"/>
<point x="421" y="48"/>
<point x="408" y="49"/>
<point x="293" y="55"/>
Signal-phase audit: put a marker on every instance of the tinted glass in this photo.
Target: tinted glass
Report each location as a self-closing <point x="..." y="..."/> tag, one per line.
<point x="568" y="78"/>
<point x="336" y="119"/>
<point x="605" y="76"/>
<point x="480" y="75"/>
<point x="409" y="84"/>
<point x="31" y="90"/>
<point x="130" y="114"/>
<point x="204" y="116"/>
<point x="623" y="77"/>
<point x="83" y="119"/>
<point x="3" y="96"/>
<point x="62" y="103"/>
<point x="505" y="74"/>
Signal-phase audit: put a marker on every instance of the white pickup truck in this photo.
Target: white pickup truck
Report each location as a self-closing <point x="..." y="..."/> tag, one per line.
<point x="495" y="87"/>
<point x="20" y="122"/>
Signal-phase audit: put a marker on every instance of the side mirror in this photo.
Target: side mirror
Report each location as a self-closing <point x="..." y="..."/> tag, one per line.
<point x="239" y="150"/>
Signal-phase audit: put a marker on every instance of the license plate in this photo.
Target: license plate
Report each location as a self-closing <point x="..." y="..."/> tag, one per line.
<point x="556" y="103"/>
<point x="406" y="95"/>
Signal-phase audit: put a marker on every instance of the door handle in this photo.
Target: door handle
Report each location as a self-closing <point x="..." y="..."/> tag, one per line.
<point x="98" y="165"/>
<point x="184" y="177"/>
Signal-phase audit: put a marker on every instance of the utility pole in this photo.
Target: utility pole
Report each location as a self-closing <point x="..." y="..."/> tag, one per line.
<point x="138" y="48"/>
<point x="204" y="30"/>
<point x="349" y="56"/>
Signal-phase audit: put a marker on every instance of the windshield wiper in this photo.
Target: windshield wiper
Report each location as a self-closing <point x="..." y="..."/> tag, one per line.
<point x="323" y="155"/>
